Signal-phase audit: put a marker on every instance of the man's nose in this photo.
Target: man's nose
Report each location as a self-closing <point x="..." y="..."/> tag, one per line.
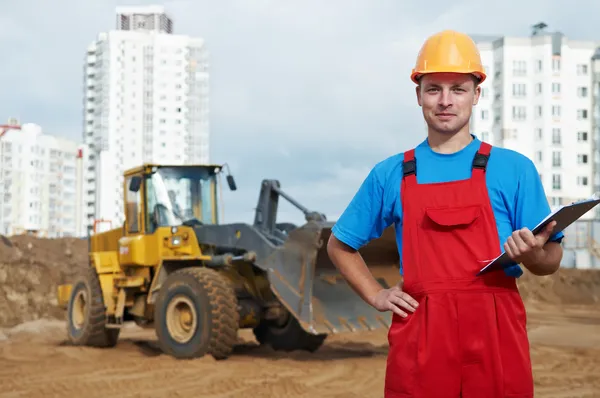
<point x="445" y="98"/>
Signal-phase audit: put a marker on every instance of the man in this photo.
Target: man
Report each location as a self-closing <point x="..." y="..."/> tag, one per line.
<point x="456" y="202"/>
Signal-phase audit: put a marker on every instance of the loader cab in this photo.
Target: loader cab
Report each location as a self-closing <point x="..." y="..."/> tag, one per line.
<point x="169" y="196"/>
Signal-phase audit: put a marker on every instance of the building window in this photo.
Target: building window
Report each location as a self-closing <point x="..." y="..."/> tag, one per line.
<point x="582" y="158"/>
<point x="582" y="92"/>
<point x="582" y="114"/>
<point x="556" y="182"/>
<point x="555" y="88"/>
<point x="556" y="136"/>
<point x="582" y="181"/>
<point x="538" y="88"/>
<point x="485" y="136"/>
<point x="519" y="113"/>
<point x="539" y="134"/>
<point x="519" y="68"/>
<point x="556" y="64"/>
<point x="582" y="69"/>
<point x="556" y="159"/>
<point x="539" y="65"/>
<point x="519" y="90"/>
<point x="538" y="111"/>
<point x="538" y="156"/>
<point x="582" y="136"/>
<point x="484" y="115"/>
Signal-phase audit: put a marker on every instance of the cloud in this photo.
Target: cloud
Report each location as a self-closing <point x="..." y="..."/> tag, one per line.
<point x="311" y="92"/>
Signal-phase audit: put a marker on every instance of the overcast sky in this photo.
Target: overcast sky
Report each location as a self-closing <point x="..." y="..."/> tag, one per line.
<point x="311" y="92"/>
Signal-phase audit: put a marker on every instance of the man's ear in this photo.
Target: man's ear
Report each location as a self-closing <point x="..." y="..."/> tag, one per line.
<point x="477" y="95"/>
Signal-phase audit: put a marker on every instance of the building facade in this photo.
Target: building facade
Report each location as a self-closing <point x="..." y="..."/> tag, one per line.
<point x="40" y="183"/>
<point x="538" y="101"/>
<point x="146" y="100"/>
<point x="596" y="122"/>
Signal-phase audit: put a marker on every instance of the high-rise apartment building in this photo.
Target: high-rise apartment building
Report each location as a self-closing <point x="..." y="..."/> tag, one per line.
<point x="40" y="185"/>
<point x="146" y="100"/>
<point x="595" y="130"/>
<point x="538" y="101"/>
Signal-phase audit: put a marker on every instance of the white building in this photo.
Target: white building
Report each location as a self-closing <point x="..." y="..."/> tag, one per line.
<point x="39" y="184"/>
<point x="146" y="100"/>
<point x="595" y="131"/>
<point x="538" y="101"/>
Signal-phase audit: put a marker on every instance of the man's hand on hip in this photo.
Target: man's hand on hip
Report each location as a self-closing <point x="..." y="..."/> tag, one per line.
<point x="395" y="300"/>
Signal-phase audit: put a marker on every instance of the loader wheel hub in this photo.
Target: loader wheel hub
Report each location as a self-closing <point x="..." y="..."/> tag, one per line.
<point x="78" y="310"/>
<point x="181" y="319"/>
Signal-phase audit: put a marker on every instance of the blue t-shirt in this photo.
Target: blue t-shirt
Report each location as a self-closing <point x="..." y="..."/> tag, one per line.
<point x="515" y="190"/>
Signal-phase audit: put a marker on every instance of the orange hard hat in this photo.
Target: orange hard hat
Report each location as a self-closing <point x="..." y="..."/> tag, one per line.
<point x="449" y="51"/>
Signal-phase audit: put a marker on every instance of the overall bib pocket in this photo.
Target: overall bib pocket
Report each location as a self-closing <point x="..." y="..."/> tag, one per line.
<point x="449" y="218"/>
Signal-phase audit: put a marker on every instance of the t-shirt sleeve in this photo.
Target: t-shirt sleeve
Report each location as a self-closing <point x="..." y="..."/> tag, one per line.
<point x="531" y="205"/>
<point x="366" y="217"/>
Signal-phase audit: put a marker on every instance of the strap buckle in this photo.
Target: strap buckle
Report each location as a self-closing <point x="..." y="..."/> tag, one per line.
<point x="409" y="167"/>
<point x="480" y="161"/>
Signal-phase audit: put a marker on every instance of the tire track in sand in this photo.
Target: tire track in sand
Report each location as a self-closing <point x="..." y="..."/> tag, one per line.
<point x="42" y="366"/>
<point x="346" y="366"/>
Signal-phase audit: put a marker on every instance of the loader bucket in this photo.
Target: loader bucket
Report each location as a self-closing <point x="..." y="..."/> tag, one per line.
<point x="307" y="283"/>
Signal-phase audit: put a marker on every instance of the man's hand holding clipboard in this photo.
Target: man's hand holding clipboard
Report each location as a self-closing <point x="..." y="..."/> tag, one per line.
<point x="521" y="248"/>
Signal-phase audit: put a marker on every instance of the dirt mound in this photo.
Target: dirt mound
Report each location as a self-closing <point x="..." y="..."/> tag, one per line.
<point x="30" y="270"/>
<point x="567" y="286"/>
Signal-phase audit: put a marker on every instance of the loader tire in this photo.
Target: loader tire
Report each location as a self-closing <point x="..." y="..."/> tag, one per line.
<point x="196" y="314"/>
<point x="86" y="314"/>
<point x="288" y="337"/>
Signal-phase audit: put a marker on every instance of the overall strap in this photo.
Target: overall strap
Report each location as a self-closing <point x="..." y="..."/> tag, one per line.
<point x="409" y="167"/>
<point x="480" y="160"/>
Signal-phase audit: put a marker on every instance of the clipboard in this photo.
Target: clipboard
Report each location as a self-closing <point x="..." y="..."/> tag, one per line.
<point x="564" y="216"/>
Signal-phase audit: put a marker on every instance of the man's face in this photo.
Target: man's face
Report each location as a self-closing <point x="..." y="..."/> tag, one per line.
<point x="447" y="100"/>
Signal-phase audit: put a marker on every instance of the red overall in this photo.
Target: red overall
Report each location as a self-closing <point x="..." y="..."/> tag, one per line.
<point x="468" y="337"/>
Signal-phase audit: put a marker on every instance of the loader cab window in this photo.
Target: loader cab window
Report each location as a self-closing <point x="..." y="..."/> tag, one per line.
<point x="176" y="195"/>
<point x="206" y="190"/>
<point x="133" y="204"/>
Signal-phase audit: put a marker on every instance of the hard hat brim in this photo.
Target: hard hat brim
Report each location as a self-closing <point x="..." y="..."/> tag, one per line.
<point x="416" y="75"/>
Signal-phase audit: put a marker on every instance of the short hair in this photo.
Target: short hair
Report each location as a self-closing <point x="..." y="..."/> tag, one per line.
<point x="474" y="78"/>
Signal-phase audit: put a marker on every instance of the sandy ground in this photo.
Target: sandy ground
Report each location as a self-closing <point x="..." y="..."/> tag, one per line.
<point x="564" y="325"/>
<point x="35" y="362"/>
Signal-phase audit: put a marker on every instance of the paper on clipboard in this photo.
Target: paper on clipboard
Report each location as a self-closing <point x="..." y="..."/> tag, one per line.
<point x="564" y="216"/>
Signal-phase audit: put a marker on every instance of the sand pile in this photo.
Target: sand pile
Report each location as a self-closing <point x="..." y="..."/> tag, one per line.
<point x="30" y="270"/>
<point x="567" y="286"/>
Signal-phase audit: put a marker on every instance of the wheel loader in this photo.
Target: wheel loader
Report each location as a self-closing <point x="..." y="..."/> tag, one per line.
<point x="172" y="266"/>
